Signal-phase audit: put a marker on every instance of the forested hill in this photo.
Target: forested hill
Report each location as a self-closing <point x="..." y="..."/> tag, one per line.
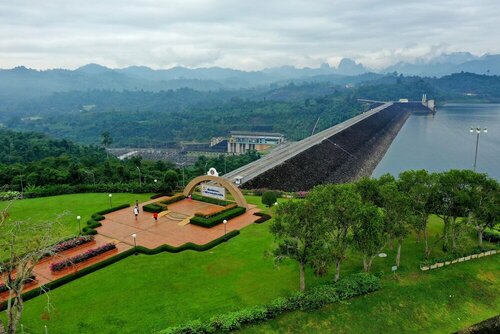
<point x="26" y="147"/>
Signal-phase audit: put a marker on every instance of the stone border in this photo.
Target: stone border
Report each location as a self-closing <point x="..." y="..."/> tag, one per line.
<point x="457" y="260"/>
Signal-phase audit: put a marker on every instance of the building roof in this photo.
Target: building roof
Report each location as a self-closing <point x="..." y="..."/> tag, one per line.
<point x="262" y="134"/>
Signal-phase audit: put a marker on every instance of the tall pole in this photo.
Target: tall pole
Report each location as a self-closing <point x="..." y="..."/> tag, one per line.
<point x="22" y="187"/>
<point x="478" y="132"/>
<point x="225" y="166"/>
<point x="140" y="179"/>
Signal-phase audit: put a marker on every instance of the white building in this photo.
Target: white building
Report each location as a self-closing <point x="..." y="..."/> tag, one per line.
<point x="243" y="141"/>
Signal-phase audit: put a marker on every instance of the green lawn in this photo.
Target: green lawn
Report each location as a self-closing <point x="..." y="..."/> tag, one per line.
<point x="65" y="208"/>
<point x="144" y="293"/>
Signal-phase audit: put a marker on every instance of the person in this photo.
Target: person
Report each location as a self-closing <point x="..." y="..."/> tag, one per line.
<point x="155" y="216"/>
<point x="136" y="211"/>
<point x="137" y="203"/>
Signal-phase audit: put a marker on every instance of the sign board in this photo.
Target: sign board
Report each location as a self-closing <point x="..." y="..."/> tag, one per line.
<point x="394" y="268"/>
<point x="213" y="191"/>
<point x="212" y="172"/>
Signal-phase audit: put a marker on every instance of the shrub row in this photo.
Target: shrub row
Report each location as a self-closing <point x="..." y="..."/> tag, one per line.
<point x="66" y="263"/>
<point x="93" y="223"/>
<point x="153" y="207"/>
<point x="216" y="220"/>
<point x="3" y="287"/>
<point x="455" y="255"/>
<point x="92" y="268"/>
<point x="210" y="200"/>
<point x="61" y="189"/>
<point x="263" y="217"/>
<point x="314" y="298"/>
<point x="173" y="199"/>
<point x="155" y="196"/>
<point x="215" y="212"/>
<point x="112" y="209"/>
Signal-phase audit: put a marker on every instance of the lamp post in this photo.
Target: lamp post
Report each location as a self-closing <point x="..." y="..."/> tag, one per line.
<point x="79" y="225"/>
<point x="206" y="168"/>
<point x="225" y="165"/>
<point x="110" y="200"/>
<point x="225" y="224"/>
<point x="478" y="131"/>
<point x="140" y="179"/>
<point x="336" y="145"/>
<point x="134" y="236"/>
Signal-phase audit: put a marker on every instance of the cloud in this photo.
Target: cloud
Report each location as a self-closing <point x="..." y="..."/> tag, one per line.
<point x="240" y="34"/>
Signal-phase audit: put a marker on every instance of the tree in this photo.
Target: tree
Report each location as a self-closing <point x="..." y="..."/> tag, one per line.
<point x="369" y="235"/>
<point x="22" y="244"/>
<point x="451" y="200"/>
<point x="398" y="214"/>
<point x="485" y="204"/>
<point x="296" y="232"/>
<point x="170" y="179"/>
<point x="338" y="208"/>
<point x="269" y="198"/>
<point x="419" y="186"/>
<point x="106" y="140"/>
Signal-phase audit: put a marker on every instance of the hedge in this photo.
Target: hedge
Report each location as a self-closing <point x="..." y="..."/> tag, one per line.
<point x="98" y="216"/>
<point x="263" y="217"/>
<point x="216" y="220"/>
<point x="173" y="199"/>
<point x="142" y="250"/>
<point x="215" y="213"/>
<point x="115" y="208"/>
<point x="210" y="200"/>
<point x="153" y="207"/>
<point x="312" y="299"/>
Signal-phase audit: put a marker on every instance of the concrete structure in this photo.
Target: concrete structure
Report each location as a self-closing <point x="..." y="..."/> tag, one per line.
<point x="243" y="141"/>
<point x="341" y="153"/>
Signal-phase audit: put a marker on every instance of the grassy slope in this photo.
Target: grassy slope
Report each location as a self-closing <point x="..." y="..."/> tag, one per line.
<point x="144" y="293"/>
<point x="65" y="208"/>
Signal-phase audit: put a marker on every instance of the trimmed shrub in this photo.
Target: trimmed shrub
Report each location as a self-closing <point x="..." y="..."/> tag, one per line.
<point x="98" y="217"/>
<point x="312" y="299"/>
<point x="153" y="207"/>
<point x="210" y="200"/>
<point x="269" y="198"/>
<point x="115" y="208"/>
<point x="66" y="263"/>
<point x="216" y="220"/>
<point x="263" y="217"/>
<point x="173" y="199"/>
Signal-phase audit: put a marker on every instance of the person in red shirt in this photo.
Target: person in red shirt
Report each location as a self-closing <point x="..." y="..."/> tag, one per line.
<point x="155" y="216"/>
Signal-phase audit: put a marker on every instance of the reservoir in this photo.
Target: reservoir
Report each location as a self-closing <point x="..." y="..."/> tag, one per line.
<point x="443" y="141"/>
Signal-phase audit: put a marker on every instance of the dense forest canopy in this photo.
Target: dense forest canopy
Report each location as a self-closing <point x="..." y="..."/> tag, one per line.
<point x="137" y="118"/>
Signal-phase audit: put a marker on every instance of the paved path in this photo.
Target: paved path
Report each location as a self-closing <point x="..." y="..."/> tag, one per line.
<point x="119" y="226"/>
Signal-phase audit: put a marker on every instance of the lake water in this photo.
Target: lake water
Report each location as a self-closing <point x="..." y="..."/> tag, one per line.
<point x="443" y="141"/>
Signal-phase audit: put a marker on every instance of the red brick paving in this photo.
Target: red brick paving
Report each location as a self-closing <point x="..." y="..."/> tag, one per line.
<point x="119" y="226"/>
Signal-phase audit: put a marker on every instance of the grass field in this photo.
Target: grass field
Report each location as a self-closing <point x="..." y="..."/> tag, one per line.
<point x="65" y="208"/>
<point x="144" y="293"/>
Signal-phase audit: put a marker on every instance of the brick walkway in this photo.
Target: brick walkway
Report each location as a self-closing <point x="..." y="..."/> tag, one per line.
<point x="119" y="226"/>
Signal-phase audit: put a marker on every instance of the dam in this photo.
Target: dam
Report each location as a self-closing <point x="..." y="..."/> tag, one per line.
<point x="339" y="154"/>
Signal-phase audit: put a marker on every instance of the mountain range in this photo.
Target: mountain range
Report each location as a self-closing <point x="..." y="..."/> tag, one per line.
<point x="23" y="83"/>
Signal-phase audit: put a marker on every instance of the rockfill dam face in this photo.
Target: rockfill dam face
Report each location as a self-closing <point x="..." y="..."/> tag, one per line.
<point x="344" y="157"/>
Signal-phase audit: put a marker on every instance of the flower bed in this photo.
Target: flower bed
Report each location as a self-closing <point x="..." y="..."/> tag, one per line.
<point x="31" y="279"/>
<point x="455" y="258"/>
<point x="210" y="200"/>
<point x="72" y="243"/>
<point x="213" y="210"/>
<point x="61" y="265"/>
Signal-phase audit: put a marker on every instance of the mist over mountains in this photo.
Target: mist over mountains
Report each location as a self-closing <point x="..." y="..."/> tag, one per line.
<point x="24" y="83"/>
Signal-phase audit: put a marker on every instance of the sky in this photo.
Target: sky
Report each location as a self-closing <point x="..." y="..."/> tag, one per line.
<point x="248" y="34"/>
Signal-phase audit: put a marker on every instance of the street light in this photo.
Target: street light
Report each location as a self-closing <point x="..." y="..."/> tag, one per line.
<point x="140" y="179"/>
<point x="206" y="167"/>
<point x="110" y="200"/>
<point x="79" y="225"/>
<point x="225" y="223"/>
<point x="478" y="132"/>
<point x="134" y="236"/>
<point x="335" y="144"/>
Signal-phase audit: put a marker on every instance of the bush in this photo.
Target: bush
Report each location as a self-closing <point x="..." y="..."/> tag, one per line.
<point x="71" y="243"/>
<point x="115" y="208"/>
<point x="263" y="217"/>
<point x="216" y="220"/>
<point x="269" y="198"/>
<point x="97" y="217"/>
<point x="153" y="207"/>
<point x="312" y="299"/>
<point x="173" y="199"/>
<point x="210" y="200"/>
<point x="491" y="234"/>
<point x="66" y="263"/>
